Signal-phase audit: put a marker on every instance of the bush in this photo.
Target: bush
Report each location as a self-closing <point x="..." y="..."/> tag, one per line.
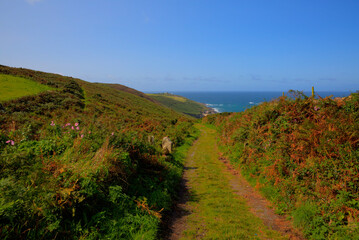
<point x="308" y="149"/>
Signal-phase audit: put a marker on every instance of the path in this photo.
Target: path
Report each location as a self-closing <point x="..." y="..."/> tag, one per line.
<point x="217" y="203"/>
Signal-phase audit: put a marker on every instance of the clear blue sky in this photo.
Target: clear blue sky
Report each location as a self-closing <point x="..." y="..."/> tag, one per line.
<point x="198" y="45"/>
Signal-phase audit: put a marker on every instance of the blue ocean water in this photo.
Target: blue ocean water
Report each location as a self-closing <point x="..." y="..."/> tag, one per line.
<point x="239" y="101"/>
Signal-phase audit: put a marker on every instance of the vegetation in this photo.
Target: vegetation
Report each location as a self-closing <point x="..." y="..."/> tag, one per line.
<point x="181" y="104"/>
<point x="218" y="213"/>
<point x="129" y="90"/>
<point x="76" y="163"/>
<point x="303" y="153"/>
<point x="13" y="87"/>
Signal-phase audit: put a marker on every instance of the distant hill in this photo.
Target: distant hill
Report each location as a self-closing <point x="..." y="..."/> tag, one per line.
<point x="76" y="162"/>
<point x="129" y="90"/>
<point x="182" y="104"/>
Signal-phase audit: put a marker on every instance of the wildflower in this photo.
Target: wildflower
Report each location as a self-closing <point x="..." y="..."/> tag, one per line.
<point x="89" y="132"/>
<point x="112" y="133"/>
<point x="52" y="123"/>
<point x="316" y="108"/>
<point x="82" y="135"/>
<point x="11" y="142"/>
<point x="77" y="128"/>
<point x="72" y="127"/>
<point x="68" y="124"/>
<point x="76" y="124"/>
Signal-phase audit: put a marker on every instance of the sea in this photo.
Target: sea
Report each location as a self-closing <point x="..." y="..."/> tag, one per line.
<point x="240" y="101"/>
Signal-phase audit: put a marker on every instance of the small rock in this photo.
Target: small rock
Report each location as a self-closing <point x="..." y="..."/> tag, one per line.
<point x="151" y="139"/>
<point x="166" y="146"/>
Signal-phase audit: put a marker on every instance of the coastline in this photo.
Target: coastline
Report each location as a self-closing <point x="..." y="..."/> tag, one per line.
<point x="240" y="101"/>
<point x="212" y="106"/>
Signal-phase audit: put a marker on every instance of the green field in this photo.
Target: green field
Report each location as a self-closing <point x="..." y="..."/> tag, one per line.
<point x="12" y="87"/>
<point x="181" y="104"/>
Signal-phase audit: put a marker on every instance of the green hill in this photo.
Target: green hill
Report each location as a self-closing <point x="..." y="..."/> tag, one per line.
<point x="303" y="154"/>
<point x="76" y="162"/>
<point x="182" y="104"/>
<point x="129" y="90"/>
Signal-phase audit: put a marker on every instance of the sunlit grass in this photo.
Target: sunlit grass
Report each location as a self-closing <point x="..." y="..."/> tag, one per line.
<point x="174" y="97"/>
<point x="12" y="87"/>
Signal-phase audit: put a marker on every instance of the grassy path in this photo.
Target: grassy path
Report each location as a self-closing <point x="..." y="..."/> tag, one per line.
<point x="214" y="210"/>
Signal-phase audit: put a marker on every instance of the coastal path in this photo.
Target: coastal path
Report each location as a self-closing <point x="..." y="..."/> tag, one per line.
<point x="216" y="202"/>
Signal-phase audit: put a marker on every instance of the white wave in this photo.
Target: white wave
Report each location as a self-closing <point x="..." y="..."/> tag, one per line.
<point x="214" y="104"/>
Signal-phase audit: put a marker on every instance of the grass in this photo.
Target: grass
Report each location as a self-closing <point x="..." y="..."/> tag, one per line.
<point x="218" y="213"/>
<point x="13" y="87"/>
<point x="178" y="98"/>
<point x="180" y="104"/>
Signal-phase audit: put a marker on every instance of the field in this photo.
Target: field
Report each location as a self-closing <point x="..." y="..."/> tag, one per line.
<point x="12" y="87"/>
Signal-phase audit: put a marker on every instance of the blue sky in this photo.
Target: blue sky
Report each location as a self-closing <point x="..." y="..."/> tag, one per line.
<point x="188" y="45"/>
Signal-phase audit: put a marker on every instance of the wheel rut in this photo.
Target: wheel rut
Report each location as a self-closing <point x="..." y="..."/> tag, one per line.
<point x="260" y="206"/>
<point x="176" y="222"/>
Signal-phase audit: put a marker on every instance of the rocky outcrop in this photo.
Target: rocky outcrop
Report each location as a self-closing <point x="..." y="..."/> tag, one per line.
<point x="208" y="112"/>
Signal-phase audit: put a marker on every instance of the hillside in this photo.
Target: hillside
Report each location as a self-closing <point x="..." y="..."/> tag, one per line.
<point x="182" y="104"/>
<point x="129" y="90"/>
<point x="303" y="154"/>
<point x="76" y="162"/>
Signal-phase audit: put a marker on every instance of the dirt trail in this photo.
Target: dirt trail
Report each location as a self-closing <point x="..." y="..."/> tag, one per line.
<point x="260" y="206"/>
<point x="205" y="168"/>
<point x="177" y="220"/>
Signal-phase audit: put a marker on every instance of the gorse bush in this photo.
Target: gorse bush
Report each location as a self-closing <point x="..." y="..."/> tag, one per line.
<point x="303" y="152"/>
<point x="75" y="162"/>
